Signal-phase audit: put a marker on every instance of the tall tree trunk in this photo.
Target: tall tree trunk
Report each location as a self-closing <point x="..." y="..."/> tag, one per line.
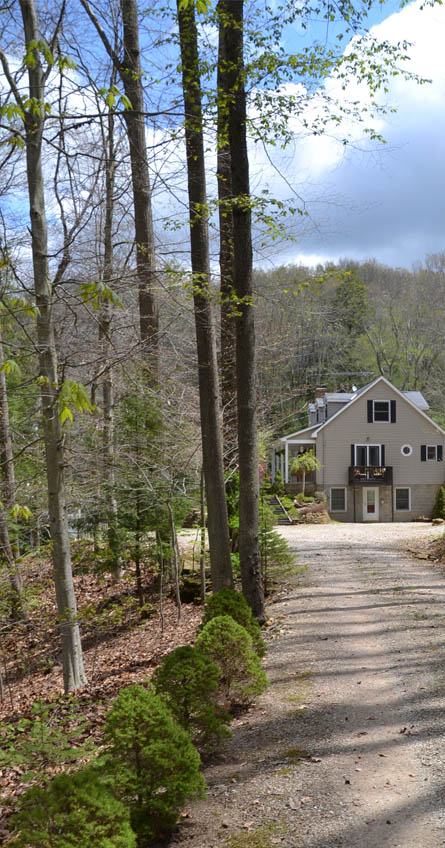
<point x="105" y="330"/>
<point x="131" y="75"/>
<point x="209" y="398"/>
<point x="228" y="304"/>
<point x="250" y="560"/>
<point x="73" y="671"/>
<point x="202" y="550"/>
<point x="130" y="72"/>
<point x="8" y="550"/>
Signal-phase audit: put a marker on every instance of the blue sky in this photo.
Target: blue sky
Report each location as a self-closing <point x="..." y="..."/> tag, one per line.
<point x="369" y="200"/>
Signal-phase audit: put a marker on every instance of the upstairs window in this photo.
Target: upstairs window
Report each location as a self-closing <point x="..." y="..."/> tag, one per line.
<point x="381" y="411"/>
<point x="433" y="453"/>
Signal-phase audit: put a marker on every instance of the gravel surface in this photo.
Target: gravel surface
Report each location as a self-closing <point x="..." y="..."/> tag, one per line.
<point x="346" y="747"/>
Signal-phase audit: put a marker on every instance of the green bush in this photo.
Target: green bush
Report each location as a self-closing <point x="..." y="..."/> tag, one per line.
<point x="229" y="645"/>
<point x="230" y="602"/>
<point x="154" y="766"/>
<point x="75" y="810"/>
<point x="188" y="681"/>
<point x="439" y="506"/>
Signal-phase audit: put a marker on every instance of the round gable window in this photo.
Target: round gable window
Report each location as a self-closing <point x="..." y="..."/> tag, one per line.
<point x="406" y="450"/>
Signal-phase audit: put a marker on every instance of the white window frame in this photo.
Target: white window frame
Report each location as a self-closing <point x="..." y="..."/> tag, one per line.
<point x="431" y="458"/>
<point x="405" y="488"/>
<point x="344" y="489"/>
<point x="367" y="464"/>
<point x="388" y="420"/>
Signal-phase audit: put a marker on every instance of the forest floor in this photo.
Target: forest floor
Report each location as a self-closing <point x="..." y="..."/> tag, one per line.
<point x="347" y="747"/>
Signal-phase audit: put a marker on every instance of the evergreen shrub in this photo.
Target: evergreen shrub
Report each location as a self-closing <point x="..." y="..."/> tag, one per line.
<point x="229" y="645"/>
<point x="187" y="681"/>
<point x="229" y="602"/>
<point x="75" y="810"/>
<point x="439" y="506"/>
<point x="153" y="763"/>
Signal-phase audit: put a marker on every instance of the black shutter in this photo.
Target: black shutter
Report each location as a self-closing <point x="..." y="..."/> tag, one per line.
<point x="382" y="454"/>
<point x="352" y="454"/>
<point x="423" y="453"/>
<point x="369" y="411"/>
<point x="393" y="412"/>
<point x="439" y="453"/>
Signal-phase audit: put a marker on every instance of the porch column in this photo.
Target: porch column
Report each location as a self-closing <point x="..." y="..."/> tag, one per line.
<point x="286" y="454"/>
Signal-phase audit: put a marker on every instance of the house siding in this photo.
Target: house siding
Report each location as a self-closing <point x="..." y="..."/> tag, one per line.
<point x="333" y="408"/>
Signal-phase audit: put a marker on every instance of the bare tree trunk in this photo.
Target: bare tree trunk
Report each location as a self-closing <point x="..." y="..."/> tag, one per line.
<point x="209" y="398"/>
<point x="174" y="546"/>
<point x="137" y="554"/>
<point x="9" y="550"/>
<point x="131" y="75"/>
<point x="228" y="300"/>
<point x="161" y="579"/>
<point x="73" y="671"/>
<point x="130" y="72"/>
<point x="105" y="330"/>
<point x="250" y="560"/>
<point x="202" y="552"/>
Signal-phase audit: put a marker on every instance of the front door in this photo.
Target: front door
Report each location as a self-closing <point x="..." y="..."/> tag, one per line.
<point x="370" y="504"/>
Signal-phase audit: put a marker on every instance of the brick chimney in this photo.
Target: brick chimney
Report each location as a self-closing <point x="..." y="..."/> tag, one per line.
<point x="320" y="391"/>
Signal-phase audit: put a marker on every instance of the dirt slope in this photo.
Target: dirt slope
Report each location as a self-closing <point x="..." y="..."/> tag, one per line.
<point x="347" y="746"/>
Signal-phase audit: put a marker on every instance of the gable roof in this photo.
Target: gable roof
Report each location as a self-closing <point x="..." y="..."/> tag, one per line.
<point x="367" y="388"/>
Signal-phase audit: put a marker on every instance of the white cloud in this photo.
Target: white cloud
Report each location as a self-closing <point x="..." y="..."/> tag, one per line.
<point x="392" y="197"/>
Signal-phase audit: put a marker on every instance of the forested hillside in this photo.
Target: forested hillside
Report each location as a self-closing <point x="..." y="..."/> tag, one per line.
<point x="338" y="326"/>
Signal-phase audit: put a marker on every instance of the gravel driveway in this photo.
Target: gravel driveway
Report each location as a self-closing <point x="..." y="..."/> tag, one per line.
<point x="347" y="746"/>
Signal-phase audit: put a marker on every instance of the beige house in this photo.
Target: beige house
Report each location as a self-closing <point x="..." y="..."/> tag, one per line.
<point x="381" y="455"/>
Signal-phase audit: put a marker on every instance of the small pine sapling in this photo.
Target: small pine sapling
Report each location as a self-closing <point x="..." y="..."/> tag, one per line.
<point x="230" y="646"/>
<point x="55" y="736"/>
<point x="154" y="766"/>
<point x="74" y="810"/>
<point x="229" y="602"/>
<point x="188" y="681"/>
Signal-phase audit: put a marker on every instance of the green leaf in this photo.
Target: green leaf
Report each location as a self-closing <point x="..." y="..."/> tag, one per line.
<point x="10" y="367"/>
<point x="73" y="395"/>
<point x="66" y="415"/>
<point x="21" y="511"/>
